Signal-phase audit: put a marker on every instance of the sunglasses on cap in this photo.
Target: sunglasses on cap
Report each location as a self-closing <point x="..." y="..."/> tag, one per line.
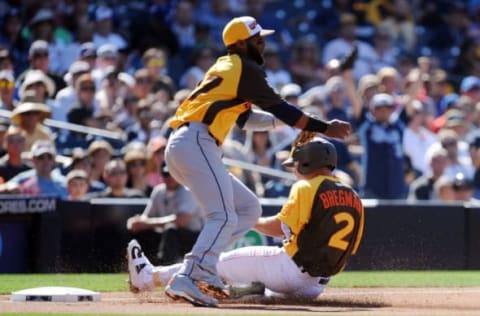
<point x="7" y="84"/>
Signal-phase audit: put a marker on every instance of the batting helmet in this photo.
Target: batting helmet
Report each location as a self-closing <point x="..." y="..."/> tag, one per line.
<point x="313" y="155"/>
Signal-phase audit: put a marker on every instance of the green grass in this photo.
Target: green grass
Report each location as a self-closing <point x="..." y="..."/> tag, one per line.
<point x="117" y="282"/>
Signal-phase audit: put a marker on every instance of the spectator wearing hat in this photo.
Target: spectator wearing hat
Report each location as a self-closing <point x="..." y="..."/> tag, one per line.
<point x="107" y="59"/>
<point x="88" y="53"/>
<point x="104" y="33"/>
<point x="339" y="47"/>
<point x="155" y="158"/>
<point x="77" y="185"/>
<point x="155" y="60"/>
<point x="7" y="90"/>
<point x="39" y="59"/>
<point x="470" y="86"/>
<point x="81" y="112"/>
<point x="383" y="163"/>
<point x="6" y="61"/>
<point x="44" y="181"/>
<point x="12" y="162"/>
<point x="29" y="116"/>
<point x="67" y="97"/>
<point x="136" y="162"/>
<point x="115" y="177"/>
<point x="173" y="209"/>
<point x="100" y="152"/>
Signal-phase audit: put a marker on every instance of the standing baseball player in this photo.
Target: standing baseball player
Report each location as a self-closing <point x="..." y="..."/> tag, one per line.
<point x="223" y="98"/>
<point x="322" y="222"/>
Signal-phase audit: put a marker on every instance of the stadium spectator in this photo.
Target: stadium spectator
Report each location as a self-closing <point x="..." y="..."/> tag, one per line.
<point x="277" y="74"/>
<point x="29" y="116"/>
<point x="81" y="160"/>
<point x="143" y="83"/>
<point x="202" y="58"/>
<point x="136" y="161"/>
<point x="12" y="162"/>
<point x="67" y="97"/>
<point x="7" y="90"/>
<point x="172" y="209"/>
<point x="104" y="32"/>
<point x="100" y="151"/>
<point x="77" y="185"/>
<point x="43" y="181"/>
<point x="39" y="59"/>
<point x="115" y="177"/>
<point x="422" y="188"/>
<point x="107" y="59"/>
<point x="305" y="65"/>
<point x="155" y="158"/>
<point x="383" y="163"/>
<point x="417" y="139"/>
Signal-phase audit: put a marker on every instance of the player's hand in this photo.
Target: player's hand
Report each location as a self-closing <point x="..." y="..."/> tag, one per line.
<point x="338" y="129"/>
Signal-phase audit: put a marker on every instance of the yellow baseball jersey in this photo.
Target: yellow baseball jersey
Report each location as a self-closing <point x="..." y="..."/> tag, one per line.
<point x="326" y="222"/>
<point x="229" y="89"/>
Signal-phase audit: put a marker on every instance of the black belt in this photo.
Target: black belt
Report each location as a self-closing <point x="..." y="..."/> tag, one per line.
<point x="211" y="135"/>
<point x="322" y="280"/>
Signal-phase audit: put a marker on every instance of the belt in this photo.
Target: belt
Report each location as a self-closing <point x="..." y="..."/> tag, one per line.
<point x="321" y="280"/>
<point x="211" y="135"/>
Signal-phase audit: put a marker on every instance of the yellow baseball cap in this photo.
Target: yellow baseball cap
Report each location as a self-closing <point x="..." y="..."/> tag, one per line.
<point x="241" y="28"/>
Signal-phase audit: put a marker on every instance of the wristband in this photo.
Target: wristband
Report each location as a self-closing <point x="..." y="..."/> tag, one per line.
<point x="315" y="125"/>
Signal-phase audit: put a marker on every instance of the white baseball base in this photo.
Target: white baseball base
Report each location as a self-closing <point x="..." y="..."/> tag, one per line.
<point x="55" y="294"/>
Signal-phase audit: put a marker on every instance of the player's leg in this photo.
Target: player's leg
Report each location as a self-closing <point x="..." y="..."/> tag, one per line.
<point x="269" y="265"/>
<point x="247" y="207"/>
<point x="195" y="161"/>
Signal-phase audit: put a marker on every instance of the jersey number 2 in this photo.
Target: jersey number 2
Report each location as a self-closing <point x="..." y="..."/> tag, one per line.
<point x="337" y="240"/>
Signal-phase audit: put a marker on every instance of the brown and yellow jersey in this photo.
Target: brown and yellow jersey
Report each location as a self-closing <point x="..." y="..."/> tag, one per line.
<point x="228" y="90"/>
<point x="326" y="220"/>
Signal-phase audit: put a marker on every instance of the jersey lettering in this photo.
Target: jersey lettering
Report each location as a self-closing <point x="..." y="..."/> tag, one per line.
<point x="206" y="85"/>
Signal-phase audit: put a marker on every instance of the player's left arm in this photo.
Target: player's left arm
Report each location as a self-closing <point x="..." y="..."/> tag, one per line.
<point x="254" y="88"/>
<point x="270" y="226"/>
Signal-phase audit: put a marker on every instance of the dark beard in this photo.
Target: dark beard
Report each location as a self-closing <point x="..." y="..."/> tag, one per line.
<point x="254" y="54"/>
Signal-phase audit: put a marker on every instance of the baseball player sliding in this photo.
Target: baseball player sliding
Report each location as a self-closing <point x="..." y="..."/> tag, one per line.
<point x="322" y="223"/>
<point x="200" y="125"/>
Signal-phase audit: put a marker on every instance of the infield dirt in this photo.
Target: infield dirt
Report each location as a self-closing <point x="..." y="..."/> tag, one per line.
<point x="334" y="301"/>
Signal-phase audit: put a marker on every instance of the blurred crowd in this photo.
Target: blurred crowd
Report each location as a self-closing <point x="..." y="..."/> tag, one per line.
<point x="87" y="89"/>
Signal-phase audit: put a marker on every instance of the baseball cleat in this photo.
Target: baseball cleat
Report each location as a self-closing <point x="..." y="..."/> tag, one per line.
<point x="214" y="287"/>
<point x="139" y="268"/>
<point x="183" y="287"/>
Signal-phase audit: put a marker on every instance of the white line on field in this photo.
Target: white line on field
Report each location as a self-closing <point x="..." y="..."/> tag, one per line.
<point x="402" y="291"/>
